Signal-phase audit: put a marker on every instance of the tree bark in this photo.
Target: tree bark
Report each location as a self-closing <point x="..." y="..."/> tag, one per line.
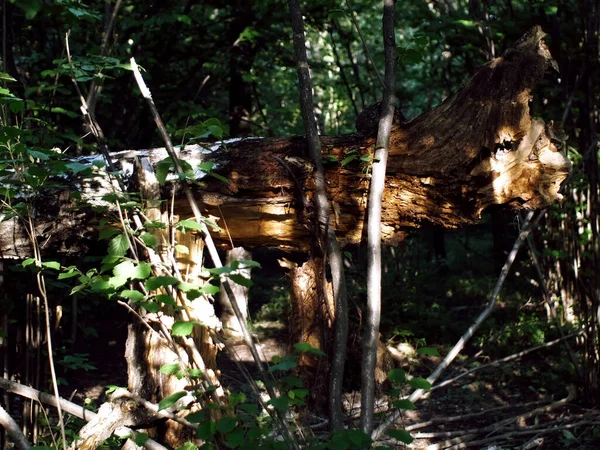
<point x="477" y="149"/>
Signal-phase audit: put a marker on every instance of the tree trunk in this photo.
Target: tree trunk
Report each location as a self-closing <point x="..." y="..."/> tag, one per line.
<point x="477" y="149"/>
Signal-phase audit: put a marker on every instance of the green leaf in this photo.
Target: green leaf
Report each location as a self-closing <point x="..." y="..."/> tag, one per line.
<point x="411" y="56"/>
<point x="6" y="77"/>
<point x="118" y="245"/>
<point x="70" y="274"/>
<point x="188" y="224"/>
<point x="285" y="365"/>
<point x="419" y="383"/>
<point x="210" y="289"/>
<point x="38" y="155"/>
<point x="182" y="328"/>
<point x="51" y="265"/>
<point x="166" y="299"/>
<point x="140" y="439"/>
<point x="149" y="239"/>
<point x="151" y="307"/>
<point x="347" y="160"/>
<point x="78" y="167"/>
<point x="281" y="403"/>
<point x="206" y="430"/>
<point x="250" y="408"/>
<point x="298" y="393"/>
<point x="428" y="351"/>
<point x="107" y="233"/>
<point x="102" y="285"/>
<point x="17" y="106"/>
<point x="182" y="249"/>
<point x="125" y="269"/>
<point x="247" y="264"/>
<point x="404" y="404"/>
<point x="206" y="166"/>
<point x="359" y="438"/>
<point x="117" y="282"/>
<point x="28" y="262"/>
<point x="226" y="425"/>
<point x="134" y="296"/>
<point x="235" y="439"/>
<point x="241" y="280"/>
<point x="401" y="435"/>
<point x="397" y="376"/>
<point x="170" y="369"/>
<point x="292" y="381"/>
<point x="305" y="347"/>
<point x="186" y="287"/>
<point x="162" y="170"/>
<point x="142" y="271"/>
<point x="466" y="23"/>
<point x="29" y="7"/>
<point x="154" y="283"/>
<point x="196" y="417"/>
<point x="170" y="400"/>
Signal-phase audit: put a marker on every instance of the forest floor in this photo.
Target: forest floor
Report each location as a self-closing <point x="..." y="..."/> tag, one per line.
<point x="501" y="407"/>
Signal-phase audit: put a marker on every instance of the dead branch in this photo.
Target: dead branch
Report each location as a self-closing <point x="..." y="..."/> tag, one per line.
<point x="506" y="359"/>
<point x="66" y="406"/>
<point x="11" y="427"/>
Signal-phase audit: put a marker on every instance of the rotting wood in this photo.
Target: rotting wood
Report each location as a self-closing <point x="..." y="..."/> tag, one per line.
<point x="477" y="149"/>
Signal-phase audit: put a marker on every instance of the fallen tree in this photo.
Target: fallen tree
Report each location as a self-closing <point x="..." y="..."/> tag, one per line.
<point x="477" y="149"/>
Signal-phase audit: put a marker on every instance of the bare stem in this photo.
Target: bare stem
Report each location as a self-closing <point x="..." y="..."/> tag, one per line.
<point x="371" y="335"/>
<point x="325" y="231"/>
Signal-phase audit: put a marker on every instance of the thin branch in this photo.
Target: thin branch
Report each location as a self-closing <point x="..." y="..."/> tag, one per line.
<point x="371" y="335"/>
<point x="41" y="285"/>
<point x="11" y="427"/>
<point x="504" y="422"/>
<point x="506" y="359"/>
<point x="163" y="413"/>
<point x="345" y="81"/>
<point x="364" y="42"/>
<point x="517" y="433"/>
<point x="323" y="218"/>
<point x="94" y="88"/>
<point x="485" y="412"/>
<point x="65" y="405"/>
<point x="527" y="226"/>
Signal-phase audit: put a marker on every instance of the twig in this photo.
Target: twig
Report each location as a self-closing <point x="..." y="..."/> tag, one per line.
<point x="94" y="89"/>
<point x="11" y="427"/>
<point x="499" y="425"/>
<point x="528" y="225"/>
<point x="511" y="434"/>
<point x="323" y="219"/>
<point x="506" y="359"/>
<point x="65" y="405"/>
<point x="165" y="414"/>
<point x="41" y="285"/>
<point x="364" y="43"/>
<point x="376" y="188"/>
<point x="484" y="412"/>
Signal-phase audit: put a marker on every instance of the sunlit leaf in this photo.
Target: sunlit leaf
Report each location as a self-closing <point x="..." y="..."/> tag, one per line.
<point x="170" y="400"/>
<point x="118" y="245"/>
<point x="419" y="383"/>
<point x="428" y="351"/>
<point x="154" y="283"/>
<point x="182" y="328"/>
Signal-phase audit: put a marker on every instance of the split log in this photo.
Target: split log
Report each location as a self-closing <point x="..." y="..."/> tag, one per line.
<point x="477" y="149"/>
